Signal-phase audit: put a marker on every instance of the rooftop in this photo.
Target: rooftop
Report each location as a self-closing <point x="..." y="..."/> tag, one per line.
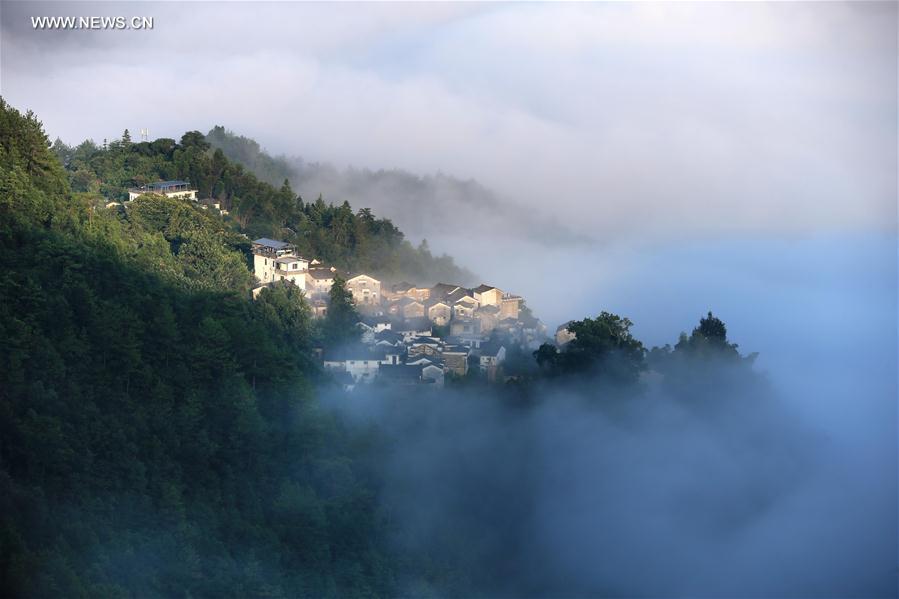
<point x="360" y="275"/>
<point x="399" y="371"/>
<point x="491" y="349"/>
<point x="483" y="288"/>
<point x="443" y="289"/>
<point x="162" y="185"/>
<point x="320" y="273"/>
<point x="271" y="243"/>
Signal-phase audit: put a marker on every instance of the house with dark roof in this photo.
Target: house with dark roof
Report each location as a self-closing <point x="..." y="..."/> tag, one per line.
<point x="378" y="322"/>
<point x="401" y="287"/>
<point x="319" y="281"/>
<point x="487" y="295"/>
<point x="414" y="327"/>
<point x="492" y="355"/>
<point x="275" y="260"/>
<point x="359" y="361"/>
<point x="455" y="359"/>
<point x="441" y="290"/>
<point x="464" y="306"/>
<point x="399" y="374"/>
<point x="170" y="189"/>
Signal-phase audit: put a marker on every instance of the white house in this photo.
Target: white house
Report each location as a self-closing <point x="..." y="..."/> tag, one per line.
<point x="291" y="269"/>
<point x="510" y="306"/>
<point x="319" y="281"/>
<point x="440" y="313"/>
<point x="265" y="252"/>
<point x="360" y="362"/>
<point x="465" y="307"/>
<point x="169" y="189"/>
<point x="366" y="290"/>
<point x="487" y="295"/>
<point x="492" y="356"/>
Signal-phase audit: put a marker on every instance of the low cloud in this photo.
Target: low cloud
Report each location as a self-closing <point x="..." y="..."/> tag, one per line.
<point x="621" y="121"/>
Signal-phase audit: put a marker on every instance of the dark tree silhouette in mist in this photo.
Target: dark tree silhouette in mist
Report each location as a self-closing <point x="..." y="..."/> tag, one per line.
<point x="340" y="322"/>
<point x="602" y="347"/>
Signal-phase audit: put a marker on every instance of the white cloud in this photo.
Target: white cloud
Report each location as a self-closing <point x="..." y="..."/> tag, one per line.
<point x="634" y="119"/>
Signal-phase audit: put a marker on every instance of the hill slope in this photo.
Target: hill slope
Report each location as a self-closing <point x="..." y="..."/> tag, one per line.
<point x="158" y="434"/>
<point x="431" y="206"/>
<point x="354" y="241"/>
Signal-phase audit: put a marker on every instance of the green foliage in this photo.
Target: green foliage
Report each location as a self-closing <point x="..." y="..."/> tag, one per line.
<point x="32" y="182"/>
<point x="340" y="322"/>
<point x="259" y="208"/>
<point x="702" y="364"/>
<point x="157" y="431"/>
<point x="603" y="347"/>
<point x="245" y="151"/>
<point x="331" y="232"/>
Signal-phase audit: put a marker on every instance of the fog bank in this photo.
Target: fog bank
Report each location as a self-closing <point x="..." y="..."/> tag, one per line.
<point x="779" y="487"/>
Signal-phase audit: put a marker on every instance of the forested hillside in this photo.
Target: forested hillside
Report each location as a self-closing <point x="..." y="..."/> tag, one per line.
<point x="157" y="431"/>
<point x="355" y="241"/>
<point x="432" y="206"/>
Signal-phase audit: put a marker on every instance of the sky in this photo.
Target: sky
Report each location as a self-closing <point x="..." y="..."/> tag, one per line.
<point x="626" y="121"/>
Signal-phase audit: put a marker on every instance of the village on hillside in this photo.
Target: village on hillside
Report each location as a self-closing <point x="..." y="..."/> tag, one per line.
<point x="410" y="335"/>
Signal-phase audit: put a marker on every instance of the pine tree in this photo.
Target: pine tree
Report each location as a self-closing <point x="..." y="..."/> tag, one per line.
<point x="340" y="323"/>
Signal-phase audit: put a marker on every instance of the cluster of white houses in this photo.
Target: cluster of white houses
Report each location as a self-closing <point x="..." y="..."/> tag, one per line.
<point x="399" y="342"/>
<point x="410" y="335"/>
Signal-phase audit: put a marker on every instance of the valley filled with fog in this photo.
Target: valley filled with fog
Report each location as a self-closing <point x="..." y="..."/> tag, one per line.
<point x="785" y="491"/>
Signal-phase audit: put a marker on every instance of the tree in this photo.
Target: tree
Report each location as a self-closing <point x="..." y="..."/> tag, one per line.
<point x="704" y="367"/>
<point x="194" y="139"/>
<point x="340" y="323"/>
<point x="708" y="339"/>
<point x="711" y="328"/>
<point x="602" y="347"/>
<point x="547" y="356"/>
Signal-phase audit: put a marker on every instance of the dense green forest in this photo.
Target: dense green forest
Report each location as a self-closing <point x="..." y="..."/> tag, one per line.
<point x="333" y="233"/>
<point x="157" y="430"/>
<point x="163" y="435"/>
